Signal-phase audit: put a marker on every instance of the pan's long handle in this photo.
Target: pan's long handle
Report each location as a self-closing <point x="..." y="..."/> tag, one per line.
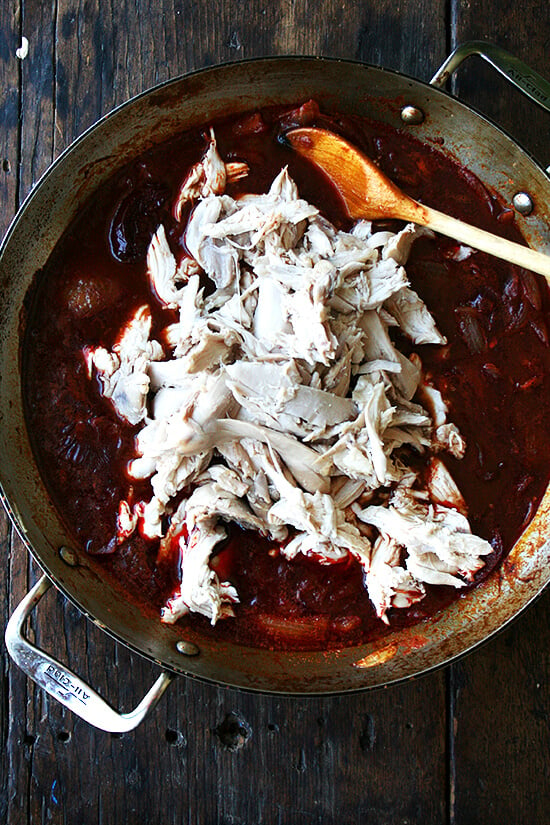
<point x="62" y="683"/>
<point x="518" y="72"/>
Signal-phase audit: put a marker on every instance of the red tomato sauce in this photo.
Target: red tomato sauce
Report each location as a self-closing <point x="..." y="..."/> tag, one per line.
<point x="494" y="375"/>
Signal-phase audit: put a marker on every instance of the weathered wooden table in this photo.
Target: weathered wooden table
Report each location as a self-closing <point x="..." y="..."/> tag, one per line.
<point x="468" y="744"/>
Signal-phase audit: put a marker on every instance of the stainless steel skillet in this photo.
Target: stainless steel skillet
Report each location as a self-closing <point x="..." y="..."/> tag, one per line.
<point x="181" y="104"/>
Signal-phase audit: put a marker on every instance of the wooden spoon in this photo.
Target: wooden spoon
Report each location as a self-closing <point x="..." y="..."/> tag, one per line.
<point x="368" y="193"/>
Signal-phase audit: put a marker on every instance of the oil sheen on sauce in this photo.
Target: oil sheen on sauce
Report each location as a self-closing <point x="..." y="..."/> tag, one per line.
<point x="493" y="374"/>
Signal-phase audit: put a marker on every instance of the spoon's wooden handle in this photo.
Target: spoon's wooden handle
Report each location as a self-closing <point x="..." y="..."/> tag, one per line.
<point x="515" y="253"/>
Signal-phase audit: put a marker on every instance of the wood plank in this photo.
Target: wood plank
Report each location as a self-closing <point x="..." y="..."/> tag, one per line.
<point x="37" y="88"/>
<point x="14" y="762"/>
<point x="28" y="706"/>
<point x="10" y="68"/>
<point x="523" y="30"/>
<point x="501" y="695"/>
<point x="501" y="713"/>
<point x="363" y="745"/>
<point x="238" y="757"/>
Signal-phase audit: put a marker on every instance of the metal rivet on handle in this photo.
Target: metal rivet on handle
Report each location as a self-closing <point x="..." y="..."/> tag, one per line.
<point x="412" y="115"/>
<point x="68" y="556"/>
<point x="187" y="648"/>
<point x="523" y="203"/>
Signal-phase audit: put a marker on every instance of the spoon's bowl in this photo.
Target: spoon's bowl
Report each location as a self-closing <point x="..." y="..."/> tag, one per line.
<point x="365" y="190"/>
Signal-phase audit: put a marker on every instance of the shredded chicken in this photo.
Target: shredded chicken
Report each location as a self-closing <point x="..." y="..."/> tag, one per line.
<point x="200" y="590"/>
<point x="124" y="371"/>
<point x="284" y="405"/>
<point x="389" y="584"/>
<point x="208" y="177"/>
<point x="440" y="546"/>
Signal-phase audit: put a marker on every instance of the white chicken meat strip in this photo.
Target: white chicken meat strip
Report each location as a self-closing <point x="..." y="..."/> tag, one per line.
<point x="412" y="316"/>
<point x="161" y="445"/>
<point x="330" y="536"/>
<point x="163" y="271"/>
<point x="249" y="459"/>
<point x="440" y="546"/>
<point x="368" y="288"/>
<point x="220" y="260"/>
<point x="214" y="499"/>
<point x="200" y="590"/>
<point x="399" y="246"/>
<point x="208" y="177"/>
<point x="217" y="496"/>
<point x="124" y="371"/>
<point x="442" y="487"/>
<point x="298" y="457"/>
<point x="388" y="583"/>
<point x="363" y="450"/>
<point x="275" y="397"/>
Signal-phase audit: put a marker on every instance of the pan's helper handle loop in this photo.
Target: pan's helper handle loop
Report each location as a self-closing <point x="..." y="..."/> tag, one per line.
<point x="62" y="683"/>
<point x="519" y="73"/>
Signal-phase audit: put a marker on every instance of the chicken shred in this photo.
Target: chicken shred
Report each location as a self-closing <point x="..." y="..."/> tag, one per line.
<point x="284" y="405"/>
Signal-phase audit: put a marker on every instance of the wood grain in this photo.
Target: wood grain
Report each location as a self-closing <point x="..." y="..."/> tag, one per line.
<point x="501" y="714"/>
<point x="524" y="31"/>
<point x="430" y="751"/>
<point x="9" y="131"/>
<point x="499" y="704"/>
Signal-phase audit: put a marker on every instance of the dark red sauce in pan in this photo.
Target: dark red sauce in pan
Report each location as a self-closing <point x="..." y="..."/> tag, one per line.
<point x="494" y="375"/>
